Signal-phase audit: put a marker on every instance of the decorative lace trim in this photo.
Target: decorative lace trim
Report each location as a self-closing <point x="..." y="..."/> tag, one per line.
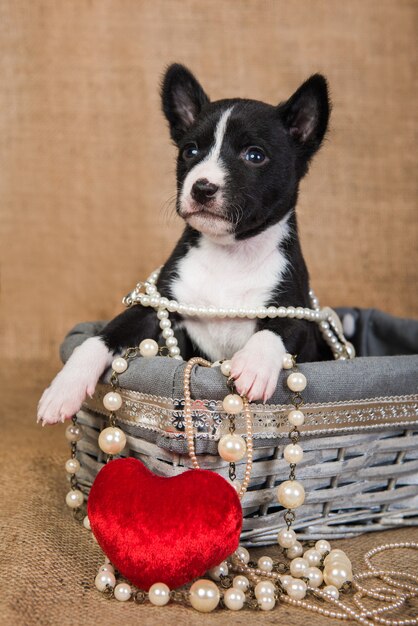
<point x="165" y="415"/>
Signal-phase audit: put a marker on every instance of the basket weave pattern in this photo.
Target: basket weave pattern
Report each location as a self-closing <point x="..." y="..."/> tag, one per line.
<point x="360" y="465"/>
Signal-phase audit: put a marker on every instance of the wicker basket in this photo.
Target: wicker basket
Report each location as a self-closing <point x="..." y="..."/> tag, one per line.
<point x="360" y="439"/>
<point x="360" y="475"/>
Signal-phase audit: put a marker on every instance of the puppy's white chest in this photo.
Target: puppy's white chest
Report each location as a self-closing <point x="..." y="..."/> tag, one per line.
<point x="241" y="275"/>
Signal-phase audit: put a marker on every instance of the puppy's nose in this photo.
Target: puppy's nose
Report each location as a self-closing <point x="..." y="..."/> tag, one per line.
<point x="203" y="190"/>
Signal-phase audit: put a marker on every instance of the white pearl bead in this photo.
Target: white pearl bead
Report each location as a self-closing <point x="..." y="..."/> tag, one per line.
<point x="287" y="361"/>
<point x="149" y="347"/>
<point x="315" y="577"/>
<point x="154" y="301"/>
<point x="296" y="381"/>
<point x="241" y="582"/>
<point x="232" y="403"/>
<point x="271" y="312"/>
<point x="286" y="538"/>
<point x="163" y="303"/>
<point x="323" y="546"/>
<point x="72" y="466"/>
<point x="151" y="289"/>
<point x="103" y="579"/>
<point x="232" y="448"/>
<point x="86" y="522"/>
<point x="313" y="557"/>
<point x="281" y="311"/>
<point x="122" y="592"/>
<point x="264" y="588"/>
<point x="159" y="594"/>
<point x="296" y="589"/>
<point x="300" y="312"/>
<point x="170" y="342"/>
<point x="265" y="563"/>
<point x="296" y="417"/>
<point x="261" y="312"/>
<point x="168" y="332"/>
<point x="174" y="351"/>
<point x="337" y="574"/>
<point x="204" y="596"/>
<point x="291" y="311"/>
<point x="119" y="364"/>
<point x="220" y="570"/>
<point x="74" y="498"/>
<point x="299" y="567"/>
<point x="291" y="494"/>
<point x="234" y="599"/>
<point x="112" y="440"/>
<point x="73" y="433"/>
<point x="293" y="453"/>
<point x="107" y="567"/>
<point x="286" y="580"/>
<point x="332" y="591"/>
<point x="172" y="306"/>
<point x="112" y="401"/>
<point x="243" y="554"/>
<point x="226" y="368"/>
<point x="144" y="300"/>
<point x="336" y="554"/>
<point x="162" y="314"/>
<point x="294" y="551"/>
<point x="266" y="603"/>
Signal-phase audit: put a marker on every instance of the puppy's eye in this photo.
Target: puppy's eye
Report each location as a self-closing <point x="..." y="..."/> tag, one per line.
<point x="190" y="151"/>
<point x="254" y="155"/>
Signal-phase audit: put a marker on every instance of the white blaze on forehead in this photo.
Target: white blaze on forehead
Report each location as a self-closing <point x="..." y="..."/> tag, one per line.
<point x="212" y="168"/>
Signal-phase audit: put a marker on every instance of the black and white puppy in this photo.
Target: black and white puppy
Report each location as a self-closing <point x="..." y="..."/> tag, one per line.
<point x="238" y="171"/>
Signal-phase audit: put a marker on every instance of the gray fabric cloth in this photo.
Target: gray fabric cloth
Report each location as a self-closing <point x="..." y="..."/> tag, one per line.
<point x="379" y="334"/>
<point x="367" y="376"/>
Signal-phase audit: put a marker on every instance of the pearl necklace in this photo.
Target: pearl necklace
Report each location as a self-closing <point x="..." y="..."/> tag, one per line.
<point x="147" y="295"/>
<point x="256" y="585"/>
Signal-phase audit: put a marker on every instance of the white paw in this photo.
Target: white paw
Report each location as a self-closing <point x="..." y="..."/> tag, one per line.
<point x="62" y="399"/>
<point x="65" y="395"/>
<point x="256" y="367"/>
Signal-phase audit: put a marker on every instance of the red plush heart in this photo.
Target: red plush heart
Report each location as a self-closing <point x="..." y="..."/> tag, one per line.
<point x="156" y="529"/>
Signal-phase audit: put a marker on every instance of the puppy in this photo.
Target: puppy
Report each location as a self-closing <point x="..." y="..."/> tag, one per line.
<point x="238" y="171"/>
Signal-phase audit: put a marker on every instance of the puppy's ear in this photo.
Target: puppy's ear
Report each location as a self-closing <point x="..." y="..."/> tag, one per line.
<point x="306" y="114"/>
<point x="182" y="98"/>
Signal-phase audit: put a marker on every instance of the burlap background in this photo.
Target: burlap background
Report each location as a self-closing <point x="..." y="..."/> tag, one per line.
<point x="87" y="167"/>
<point x="86" y="175"/>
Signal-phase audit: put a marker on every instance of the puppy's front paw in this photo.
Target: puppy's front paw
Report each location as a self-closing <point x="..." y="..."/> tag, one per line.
<point x="65" y="395"/>
<point x="257" y="366"/>
<point x="62" y="399"/>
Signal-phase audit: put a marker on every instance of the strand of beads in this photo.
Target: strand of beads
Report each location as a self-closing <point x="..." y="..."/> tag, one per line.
<point x="291" y="493"/>
<point x="231" y="447"/>
<point x="75" y="497"/>
<point x="326" y="318"/>
<point x="112" y="439"/>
